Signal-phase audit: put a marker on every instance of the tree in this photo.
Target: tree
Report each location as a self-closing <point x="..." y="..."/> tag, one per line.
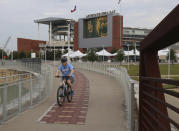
<point x="58" y="54"/>
<point x="50" y="55"/>
<point x="172" y="55"/>
<point x="28" y="54"/>
<point x="113" y="51"/>
<point x="65" y="51"/>
<point x="120" y="56"/>
<point x="15" y="55"/>
<point x="91" y="56"/>
<point x="22" y="55"/>
<point x="4" y="53"/>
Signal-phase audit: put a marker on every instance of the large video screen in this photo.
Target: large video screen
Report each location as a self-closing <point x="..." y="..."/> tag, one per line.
<point x="95" y="32"/>
<point x="95" y="27"/>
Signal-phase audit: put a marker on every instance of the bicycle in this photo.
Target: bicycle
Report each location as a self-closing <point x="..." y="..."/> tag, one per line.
<point x="64" y="91"/>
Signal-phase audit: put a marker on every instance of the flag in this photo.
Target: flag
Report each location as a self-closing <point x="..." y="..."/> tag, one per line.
<point x="73" y="9"/>
<point x="119" y="1"/>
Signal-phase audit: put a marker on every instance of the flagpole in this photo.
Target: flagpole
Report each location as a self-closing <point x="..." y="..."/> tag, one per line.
<point x="169" y="63"/>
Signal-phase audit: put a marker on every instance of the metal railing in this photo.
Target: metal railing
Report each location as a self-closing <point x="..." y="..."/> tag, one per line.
<point x="23" y="65"/>
<point x="153" y="116"/>
<point x="153" y="102"/>
<point x="22" y="91"/>
<point x="121" y="75"/>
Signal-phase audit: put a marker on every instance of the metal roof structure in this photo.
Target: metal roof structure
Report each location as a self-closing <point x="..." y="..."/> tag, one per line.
<point x="54" y="20"/>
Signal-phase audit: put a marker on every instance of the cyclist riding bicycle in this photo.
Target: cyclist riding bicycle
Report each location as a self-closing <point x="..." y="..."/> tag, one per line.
<point x="67" y="70"/>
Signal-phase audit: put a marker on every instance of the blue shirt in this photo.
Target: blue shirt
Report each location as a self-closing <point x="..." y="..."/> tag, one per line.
<point x="66" y="69"/>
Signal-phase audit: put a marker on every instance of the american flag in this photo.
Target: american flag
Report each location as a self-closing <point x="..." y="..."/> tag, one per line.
<point x="119" y="1"/>
<point x="73" y="9"/>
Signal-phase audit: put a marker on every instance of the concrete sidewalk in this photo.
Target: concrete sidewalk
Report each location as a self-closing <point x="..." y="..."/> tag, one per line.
<point x="105" y="112"/>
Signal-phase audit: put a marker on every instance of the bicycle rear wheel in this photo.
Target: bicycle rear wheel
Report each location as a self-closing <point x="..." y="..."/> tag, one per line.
<point x="69" y="94"/>
<point x="60" y="96"/>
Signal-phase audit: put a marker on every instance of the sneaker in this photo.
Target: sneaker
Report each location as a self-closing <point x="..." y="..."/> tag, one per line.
<point x="72" y="92"/>
<point x="61" y="95"/>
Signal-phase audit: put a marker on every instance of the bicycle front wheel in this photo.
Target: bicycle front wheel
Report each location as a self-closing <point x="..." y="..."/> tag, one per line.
<point x="60" y="96"/>
<point x="69" y="94"/>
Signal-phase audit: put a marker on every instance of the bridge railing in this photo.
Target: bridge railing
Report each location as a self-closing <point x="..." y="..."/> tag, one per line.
<point x="121" y="75"/>
<point x="151" y="101"/>
<point x="153" y="108"/>
<point x="24" y="65"/>
<point x="22" y="91"/>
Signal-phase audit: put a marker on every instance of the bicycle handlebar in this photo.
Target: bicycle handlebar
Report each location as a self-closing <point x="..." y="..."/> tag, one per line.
<point x="65" y="77"/>
<point x="58" y="76"/>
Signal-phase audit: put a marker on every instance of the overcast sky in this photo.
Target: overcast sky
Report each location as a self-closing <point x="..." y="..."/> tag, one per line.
<point x="17" y="16"/>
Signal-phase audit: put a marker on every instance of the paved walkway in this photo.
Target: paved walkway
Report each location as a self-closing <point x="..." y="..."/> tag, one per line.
<point x="105" y="109"/>
<point x="74" y="112"/>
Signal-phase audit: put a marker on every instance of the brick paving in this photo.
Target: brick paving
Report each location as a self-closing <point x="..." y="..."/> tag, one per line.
<point x="74" y="112"/>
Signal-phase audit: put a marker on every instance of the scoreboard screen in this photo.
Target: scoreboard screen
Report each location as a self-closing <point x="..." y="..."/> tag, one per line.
<point x="95" y="27"/>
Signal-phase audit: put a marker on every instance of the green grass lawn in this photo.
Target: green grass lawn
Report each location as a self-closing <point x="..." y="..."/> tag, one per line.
<point x="174" y="70"/>
<point x="134" y="69"/>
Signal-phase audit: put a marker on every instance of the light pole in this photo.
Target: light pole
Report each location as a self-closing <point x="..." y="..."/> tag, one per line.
<point x="135" y="52"/>
<point x="54" y="55"/>
<point x="45" y="52"/>
<point x="128" y="55"/>
<point x="103" y="53"/>
<point x="169" y="63"/>
<point x="68" y="22"/>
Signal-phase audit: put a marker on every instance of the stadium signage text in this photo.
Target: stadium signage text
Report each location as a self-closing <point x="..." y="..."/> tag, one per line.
<point x="100" y="14"/>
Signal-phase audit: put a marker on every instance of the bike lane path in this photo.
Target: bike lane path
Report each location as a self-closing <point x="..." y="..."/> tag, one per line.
<point x="74" y="112"/>
<point x="103" y="112"/>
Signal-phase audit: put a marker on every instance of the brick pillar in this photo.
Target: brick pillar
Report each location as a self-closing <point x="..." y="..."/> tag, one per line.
<point x="76" y="47"/>
<point x="117" y="33"/>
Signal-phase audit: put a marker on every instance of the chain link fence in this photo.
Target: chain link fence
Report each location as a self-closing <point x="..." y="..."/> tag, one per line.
<point x="19" y="92"/>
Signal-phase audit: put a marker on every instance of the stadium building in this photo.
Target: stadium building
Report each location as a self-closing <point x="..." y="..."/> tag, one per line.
<point x="133" y="36"/>
<point x="101" y="30"/>
<point x="58" y="36"/>
<point x="58" y="33"/>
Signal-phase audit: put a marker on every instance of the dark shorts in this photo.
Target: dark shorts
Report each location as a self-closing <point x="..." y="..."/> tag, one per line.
<point x="70" y="78"/>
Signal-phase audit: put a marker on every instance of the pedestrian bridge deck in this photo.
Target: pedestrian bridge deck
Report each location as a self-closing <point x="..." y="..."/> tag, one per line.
<point x="105" y="112"/>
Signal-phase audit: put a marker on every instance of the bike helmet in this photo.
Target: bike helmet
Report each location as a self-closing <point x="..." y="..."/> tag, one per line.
<point x="64" y="59"/>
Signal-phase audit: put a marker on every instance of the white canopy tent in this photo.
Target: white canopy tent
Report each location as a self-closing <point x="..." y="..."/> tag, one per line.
<point x="177" y="55"/>
<point x="114" y="54"/>
<point x="126" y="53"/>
<point x="104" y="53"/>
<point x="163" y="52"/>
<point x="137" y="52"/>
<point x="70" y="54"/>
<point x="131" y="53"/>
<point x="76" y="54"/>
